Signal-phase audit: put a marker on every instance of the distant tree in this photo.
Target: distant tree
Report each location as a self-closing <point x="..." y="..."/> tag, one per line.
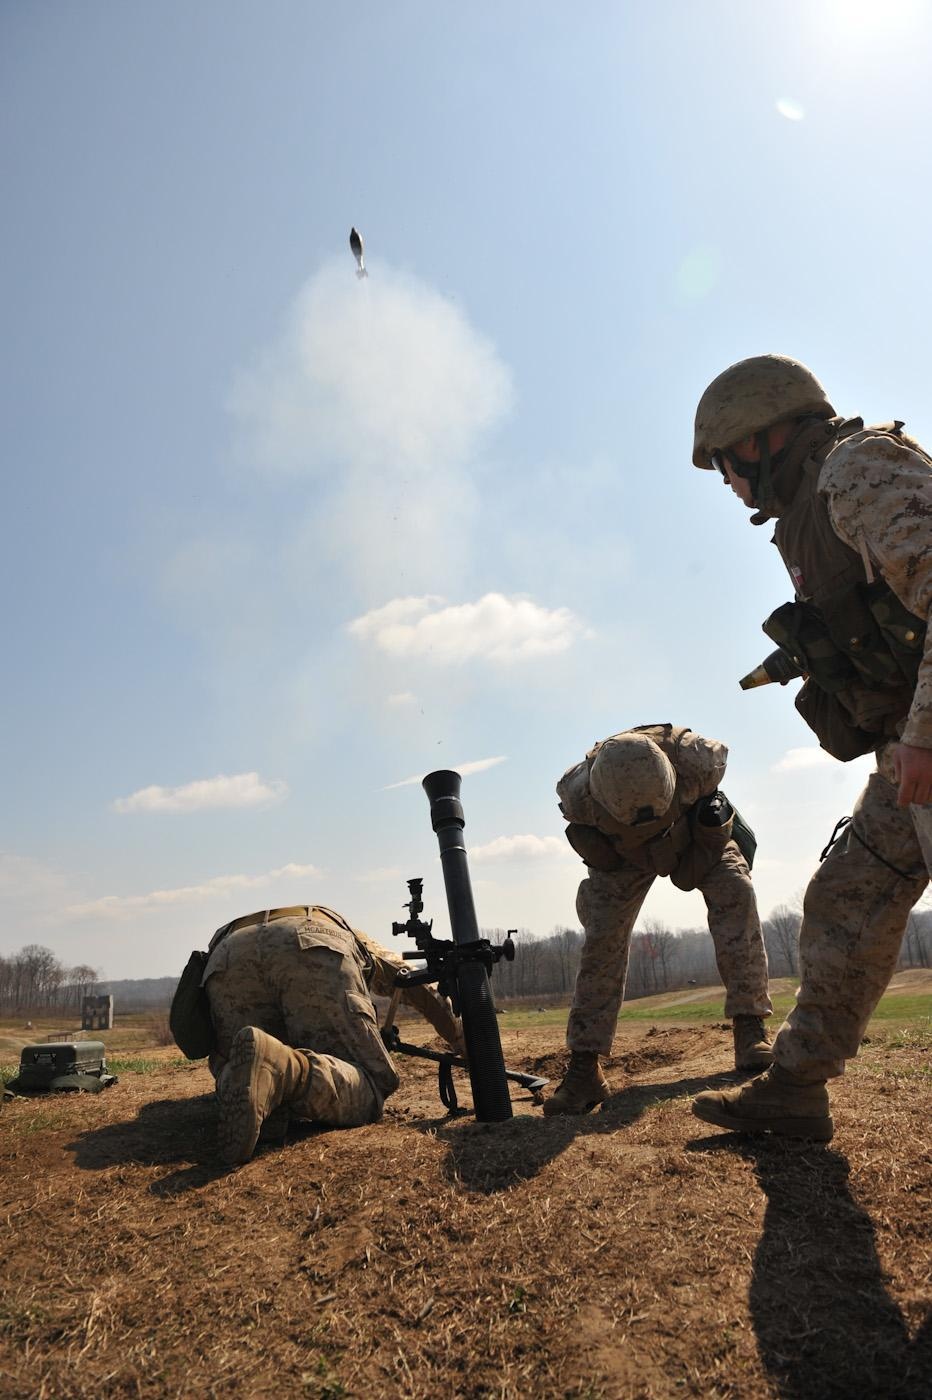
<point x="781" y="939"/>
<point x="917" y="943"/>
<point x="663" y="947"/>
<point x="79" y="982"/>
<point x="542" y="967"/>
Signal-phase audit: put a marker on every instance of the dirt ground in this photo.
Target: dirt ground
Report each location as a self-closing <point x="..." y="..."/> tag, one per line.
<point x="631" y="1253"/>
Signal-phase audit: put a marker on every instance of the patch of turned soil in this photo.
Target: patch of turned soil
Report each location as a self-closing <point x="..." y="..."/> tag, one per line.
<point x="631" y="1253"/>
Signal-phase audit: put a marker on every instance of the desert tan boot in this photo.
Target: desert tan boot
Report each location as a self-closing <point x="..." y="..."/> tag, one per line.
<point x="260" y="1074"/>
<point x="583" y="1086"/>
<point x="775" y="1102"/>
<point x="752" y="1044"/>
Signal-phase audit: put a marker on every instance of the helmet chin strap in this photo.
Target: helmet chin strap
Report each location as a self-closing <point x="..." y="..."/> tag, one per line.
<point x="759" y="476"/>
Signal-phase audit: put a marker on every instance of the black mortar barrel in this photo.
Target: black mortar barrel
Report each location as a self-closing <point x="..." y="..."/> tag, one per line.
<point x="448" y="821"/>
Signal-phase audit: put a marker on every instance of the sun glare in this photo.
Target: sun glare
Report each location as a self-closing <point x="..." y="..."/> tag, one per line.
<point x="871" y="18"/>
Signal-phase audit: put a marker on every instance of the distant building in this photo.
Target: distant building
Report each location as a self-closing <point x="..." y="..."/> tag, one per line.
<point x="97" y="1014"/>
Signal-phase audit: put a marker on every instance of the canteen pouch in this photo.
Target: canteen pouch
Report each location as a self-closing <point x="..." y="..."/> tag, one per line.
<point x="595" y="848"/>
<point x="710" y="829"/>
<point x="743" y="836"/>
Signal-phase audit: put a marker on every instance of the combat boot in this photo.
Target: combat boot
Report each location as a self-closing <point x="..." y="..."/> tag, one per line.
<point x="752" y="1044"/>
<point x="260" y="1075"/>
<point x="776" y="1102"/>
<point x="583" y="1086"/>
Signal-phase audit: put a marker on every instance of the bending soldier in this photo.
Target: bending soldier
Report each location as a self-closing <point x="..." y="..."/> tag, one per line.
<point x="853" y="507"/>
<point x="644" y="803"/>
<point x="296" y="1031"/>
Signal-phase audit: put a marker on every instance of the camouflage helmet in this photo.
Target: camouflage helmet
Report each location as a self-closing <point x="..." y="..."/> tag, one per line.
<point x="753" y="395"/>
<point x="632" y="778"/>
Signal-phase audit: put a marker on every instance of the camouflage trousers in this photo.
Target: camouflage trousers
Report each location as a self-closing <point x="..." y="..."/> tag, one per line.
<point x="608" y="905"/>
<point x="300" y="980"/>
<point x="854" y="918"/>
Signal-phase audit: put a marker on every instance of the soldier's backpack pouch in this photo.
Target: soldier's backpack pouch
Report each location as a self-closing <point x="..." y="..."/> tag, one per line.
<point x="189" y="1017"/>
<point x="828" y="719"/>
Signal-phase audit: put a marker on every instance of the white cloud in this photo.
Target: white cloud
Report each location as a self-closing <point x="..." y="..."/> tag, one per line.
<point x="495" y="628"/>
<point x="383" y="374"/>
<point x="797" y="760"/>
<point x="235" y="790"/>
<point x="478" y="765"/>
<point x="792" y="111"/>
<point x="401" y="700"/>
<point x="112" y="905"/>
<point x="382" y="875"/>
<point x="521" y="848"/>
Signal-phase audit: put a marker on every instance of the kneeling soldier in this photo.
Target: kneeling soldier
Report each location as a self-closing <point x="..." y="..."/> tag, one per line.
<point x="296" y="1030"/>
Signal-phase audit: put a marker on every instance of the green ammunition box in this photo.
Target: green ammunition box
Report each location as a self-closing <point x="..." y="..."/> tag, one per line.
<point x="62" y="1065"/>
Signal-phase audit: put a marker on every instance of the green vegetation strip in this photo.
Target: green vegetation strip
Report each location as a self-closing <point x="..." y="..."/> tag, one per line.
<point x="138" y="1064"/>
<point x="903" y="1010"/>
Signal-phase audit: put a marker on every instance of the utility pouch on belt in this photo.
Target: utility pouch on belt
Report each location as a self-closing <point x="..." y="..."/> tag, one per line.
<point x="801" y="631"/>
<point x="903" y="633"/>
<point x="189" y="1017"/>
<point x="862" y="656"/>
<point x="594" y="847"/>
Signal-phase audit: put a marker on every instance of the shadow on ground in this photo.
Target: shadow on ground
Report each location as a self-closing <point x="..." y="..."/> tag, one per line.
<point x="826" y="1325"/>
<point x="164" y="1133"/>
<point x="490" y="1157"/>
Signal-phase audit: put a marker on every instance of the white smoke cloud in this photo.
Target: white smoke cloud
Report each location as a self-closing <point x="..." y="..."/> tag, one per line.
<point x="386" y="374"/>
<point x="235" y="790"/>
<point x="495" y="628"/>
<point x="521" y="848"/>
<point x="382" y="391"/>
<point x="112" y="905"/>
<point x="478" y="765"/>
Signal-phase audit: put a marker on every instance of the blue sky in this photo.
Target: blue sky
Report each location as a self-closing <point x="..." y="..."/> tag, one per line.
<point x="278" y="539"/>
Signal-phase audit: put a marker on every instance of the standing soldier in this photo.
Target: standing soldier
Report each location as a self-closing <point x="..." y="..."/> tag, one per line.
<point x="645" y="803"/>
<point x="853" y="507"/>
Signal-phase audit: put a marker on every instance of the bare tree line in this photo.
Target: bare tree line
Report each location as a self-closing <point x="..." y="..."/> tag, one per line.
<point x="663" y="960"/>
<point x="660" y="960"/>
<point x="34" y="980"/>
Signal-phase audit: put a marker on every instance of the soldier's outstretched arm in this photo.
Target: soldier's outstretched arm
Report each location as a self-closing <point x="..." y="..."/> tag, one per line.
<point x="432" y="1007"/>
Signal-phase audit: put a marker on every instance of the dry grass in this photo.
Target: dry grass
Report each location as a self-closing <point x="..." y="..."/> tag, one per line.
<point x="632" y="1253"/>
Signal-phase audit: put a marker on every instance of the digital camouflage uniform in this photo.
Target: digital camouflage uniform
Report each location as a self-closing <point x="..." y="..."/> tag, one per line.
<point x="305" y="979"/>
<point x="878" y="492"/>
<point x="609" y="900"/>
